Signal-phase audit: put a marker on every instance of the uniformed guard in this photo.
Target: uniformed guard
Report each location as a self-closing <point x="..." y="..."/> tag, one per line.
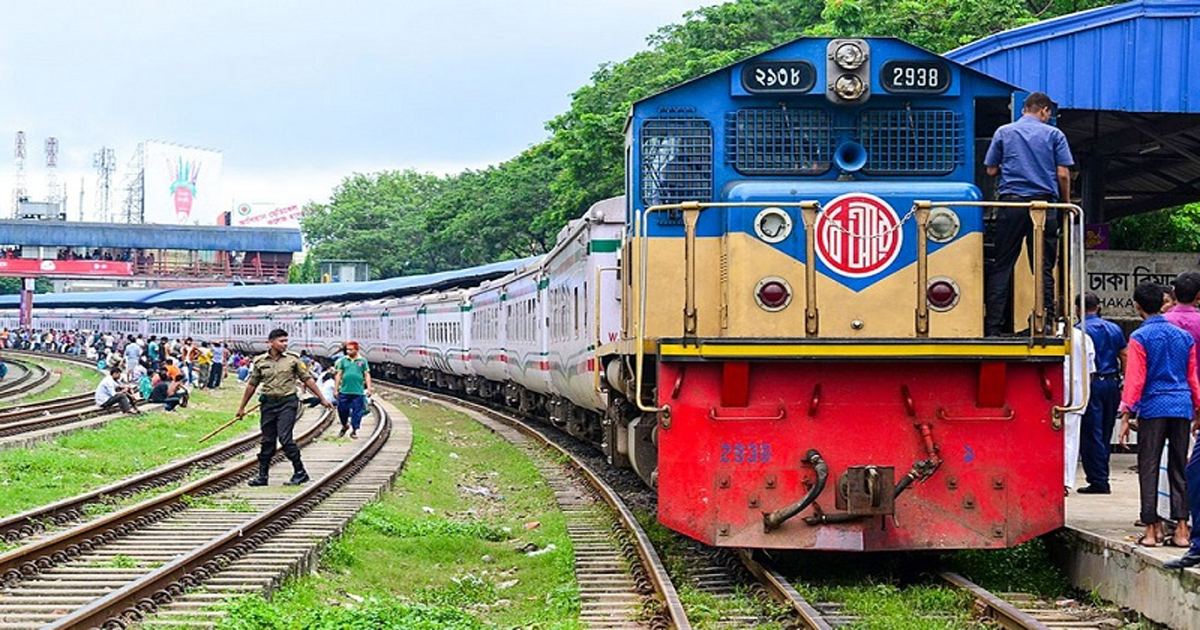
<point x="277" y="371"/>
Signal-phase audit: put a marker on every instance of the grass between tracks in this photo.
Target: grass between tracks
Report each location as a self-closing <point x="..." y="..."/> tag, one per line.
<point x="87" y="459"/>
<point x="73" y="379"/>
<point x="471" y="537"/>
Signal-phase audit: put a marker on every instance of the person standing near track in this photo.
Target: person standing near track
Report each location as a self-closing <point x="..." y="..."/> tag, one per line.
<point x="1032" y="159"/>
<point x="353" y="385"/>
<point x="277" y="371"/>
<point x="1105" y="395"/>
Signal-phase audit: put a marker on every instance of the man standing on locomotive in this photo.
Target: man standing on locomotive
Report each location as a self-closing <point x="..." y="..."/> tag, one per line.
<point x="277" y="371"/>
<point x="1032" y="159"/>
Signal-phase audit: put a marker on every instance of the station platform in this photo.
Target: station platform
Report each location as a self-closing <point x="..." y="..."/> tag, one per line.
<point x="1100" y="553"/>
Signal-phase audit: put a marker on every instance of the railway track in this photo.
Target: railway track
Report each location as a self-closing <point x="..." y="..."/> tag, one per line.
<point x="732" y="578"/>
<point x="22" y="378"/>
<point x="622" y="581"/>
<point x="152" y="557"/>
<point x="1023" y="612"/>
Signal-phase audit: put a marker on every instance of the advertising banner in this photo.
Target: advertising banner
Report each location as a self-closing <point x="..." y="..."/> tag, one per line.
<point x="260" y="214"/>
<point x="34" y="267"/>
<point x="182" y="185"/>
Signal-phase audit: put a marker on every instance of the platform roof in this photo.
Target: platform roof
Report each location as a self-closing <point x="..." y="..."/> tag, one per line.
<point x="233" y="296"/>
<point x="147" y="236"/>
<point x="1127" y="81"/>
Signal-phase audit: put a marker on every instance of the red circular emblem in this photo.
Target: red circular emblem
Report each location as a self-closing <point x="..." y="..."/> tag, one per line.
<point x="858" y="235"/>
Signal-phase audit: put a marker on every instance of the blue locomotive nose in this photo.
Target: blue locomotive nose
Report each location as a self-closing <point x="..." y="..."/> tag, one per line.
<point x="850" y="156"/>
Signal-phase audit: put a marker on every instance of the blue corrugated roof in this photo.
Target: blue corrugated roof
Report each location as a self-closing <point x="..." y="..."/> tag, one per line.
<point x="1136" y="57"/>
<point x="137" y="236"/>
<point x="271" y="294"/>
<point x="333" y="292"/>
<point x="105" y="299"/>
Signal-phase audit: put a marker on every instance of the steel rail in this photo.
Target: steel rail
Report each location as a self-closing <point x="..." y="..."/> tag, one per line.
<point x="782" y="591"/>
<point x="28" y="523"/>
<point x="33" y="376"/>
<point x="32" y="559"/>
<point x="132" y="602"/>
<point x="1002" y="612"/>
<point x="651" y="562"/>
<point x="30" y="410"/>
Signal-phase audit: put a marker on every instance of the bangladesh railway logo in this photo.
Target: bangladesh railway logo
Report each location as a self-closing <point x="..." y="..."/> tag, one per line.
<point x="858" y="235"/>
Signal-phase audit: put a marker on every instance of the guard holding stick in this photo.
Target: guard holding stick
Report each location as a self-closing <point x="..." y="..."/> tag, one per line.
<point x="277" y="371"/>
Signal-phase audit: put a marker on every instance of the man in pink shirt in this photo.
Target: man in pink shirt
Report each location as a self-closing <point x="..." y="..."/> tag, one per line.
<point x="1161" y="385"/>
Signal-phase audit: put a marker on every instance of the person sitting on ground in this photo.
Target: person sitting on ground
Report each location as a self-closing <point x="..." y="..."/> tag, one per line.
<point x="178" y="389"/>
<point x="170" y="393"/>
<point x="111" y="392"/>
<point x="328" y="389"/>
<point x="243" y="371"/>
<point x="145" y="384"/>
<point x="172" y="369"/>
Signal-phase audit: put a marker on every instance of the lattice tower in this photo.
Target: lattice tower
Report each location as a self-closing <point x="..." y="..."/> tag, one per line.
<point x="53" y="192"/>
<point x="19" y="189"/>
<point x="105" y="161"/>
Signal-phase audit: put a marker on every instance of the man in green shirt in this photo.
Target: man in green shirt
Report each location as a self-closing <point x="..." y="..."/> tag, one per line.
<point x="353" y="384"/>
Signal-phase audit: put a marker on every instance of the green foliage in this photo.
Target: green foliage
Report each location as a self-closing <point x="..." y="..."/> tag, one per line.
<point x="12" y="286"/>
<point x="306" y="272"/>
<point x="1168" y="230"/>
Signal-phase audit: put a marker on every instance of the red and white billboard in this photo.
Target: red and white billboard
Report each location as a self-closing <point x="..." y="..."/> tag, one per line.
<point x="258" y="214"/>
<point x="26" y="267"/>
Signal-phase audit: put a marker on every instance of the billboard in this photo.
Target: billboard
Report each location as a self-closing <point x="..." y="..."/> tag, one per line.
<point x="258" y="214"/>
<point x="182" y="185"/>
<point x="30" y="267"/>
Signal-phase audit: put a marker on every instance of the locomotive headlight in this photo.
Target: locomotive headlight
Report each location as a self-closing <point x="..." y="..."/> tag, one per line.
<point x="943" y="225"/>
<point x="849" y="56"/>
<point x="849" y="87"/>
<point x="773" y="225"/>
<point x="773" y="294"/>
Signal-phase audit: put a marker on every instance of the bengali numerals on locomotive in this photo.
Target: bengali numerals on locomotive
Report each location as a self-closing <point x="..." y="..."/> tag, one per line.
<point x="746" y="452"/>
<point x="778" y="76"/>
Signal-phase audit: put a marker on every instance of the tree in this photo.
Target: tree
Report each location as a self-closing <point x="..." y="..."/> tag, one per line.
<point x="12" y="286"/>
<point x="1167" y="230"/>
<point x="305" y="272"/>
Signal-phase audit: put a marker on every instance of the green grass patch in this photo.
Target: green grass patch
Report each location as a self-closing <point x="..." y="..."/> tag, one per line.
<point x="302" y="605"/>
<point x="87" y="459"/>
<point x="886" y="606"/>
<point x="73" y="379"/>
<point x="447" y="548"/>
<point x="1027" y="568"/>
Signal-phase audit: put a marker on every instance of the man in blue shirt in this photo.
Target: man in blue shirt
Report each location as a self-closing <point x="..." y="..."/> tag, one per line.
<point x="1031" y="157"/>
<point x="1101" y="415"/>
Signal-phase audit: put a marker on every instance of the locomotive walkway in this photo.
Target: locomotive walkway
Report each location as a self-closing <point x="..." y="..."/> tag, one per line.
<point x="1102" y="554"/>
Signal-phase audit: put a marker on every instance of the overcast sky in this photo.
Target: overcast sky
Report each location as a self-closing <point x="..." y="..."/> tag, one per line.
<point x="298" y="94"/>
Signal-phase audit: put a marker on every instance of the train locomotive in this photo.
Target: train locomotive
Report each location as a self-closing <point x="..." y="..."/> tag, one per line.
<point x="779" y="326"/>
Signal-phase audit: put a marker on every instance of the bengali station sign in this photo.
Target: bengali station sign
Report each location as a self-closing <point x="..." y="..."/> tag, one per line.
<point x="27" y="267"/>
<point x="250" y="214"/>
<point x="1113" y="274"/>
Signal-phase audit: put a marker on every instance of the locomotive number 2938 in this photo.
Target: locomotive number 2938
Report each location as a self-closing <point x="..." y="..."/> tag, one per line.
<point x="746" y="452"/>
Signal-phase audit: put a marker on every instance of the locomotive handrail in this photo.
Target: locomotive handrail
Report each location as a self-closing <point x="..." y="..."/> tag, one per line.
<point x="691" y="211"/>
<point x="1070" y="263"/>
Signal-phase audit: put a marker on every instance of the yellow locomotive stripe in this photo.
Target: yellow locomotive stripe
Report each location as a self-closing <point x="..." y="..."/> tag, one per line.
<point x="858" y="350"/>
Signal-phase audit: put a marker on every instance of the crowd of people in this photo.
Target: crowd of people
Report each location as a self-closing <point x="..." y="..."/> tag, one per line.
<point x="162" y="371"/>
<point x="1151" y="383"/>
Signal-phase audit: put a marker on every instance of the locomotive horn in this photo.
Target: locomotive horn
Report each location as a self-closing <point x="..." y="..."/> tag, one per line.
<point x="772" y="520"/>
<point x="850" y="156"/>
